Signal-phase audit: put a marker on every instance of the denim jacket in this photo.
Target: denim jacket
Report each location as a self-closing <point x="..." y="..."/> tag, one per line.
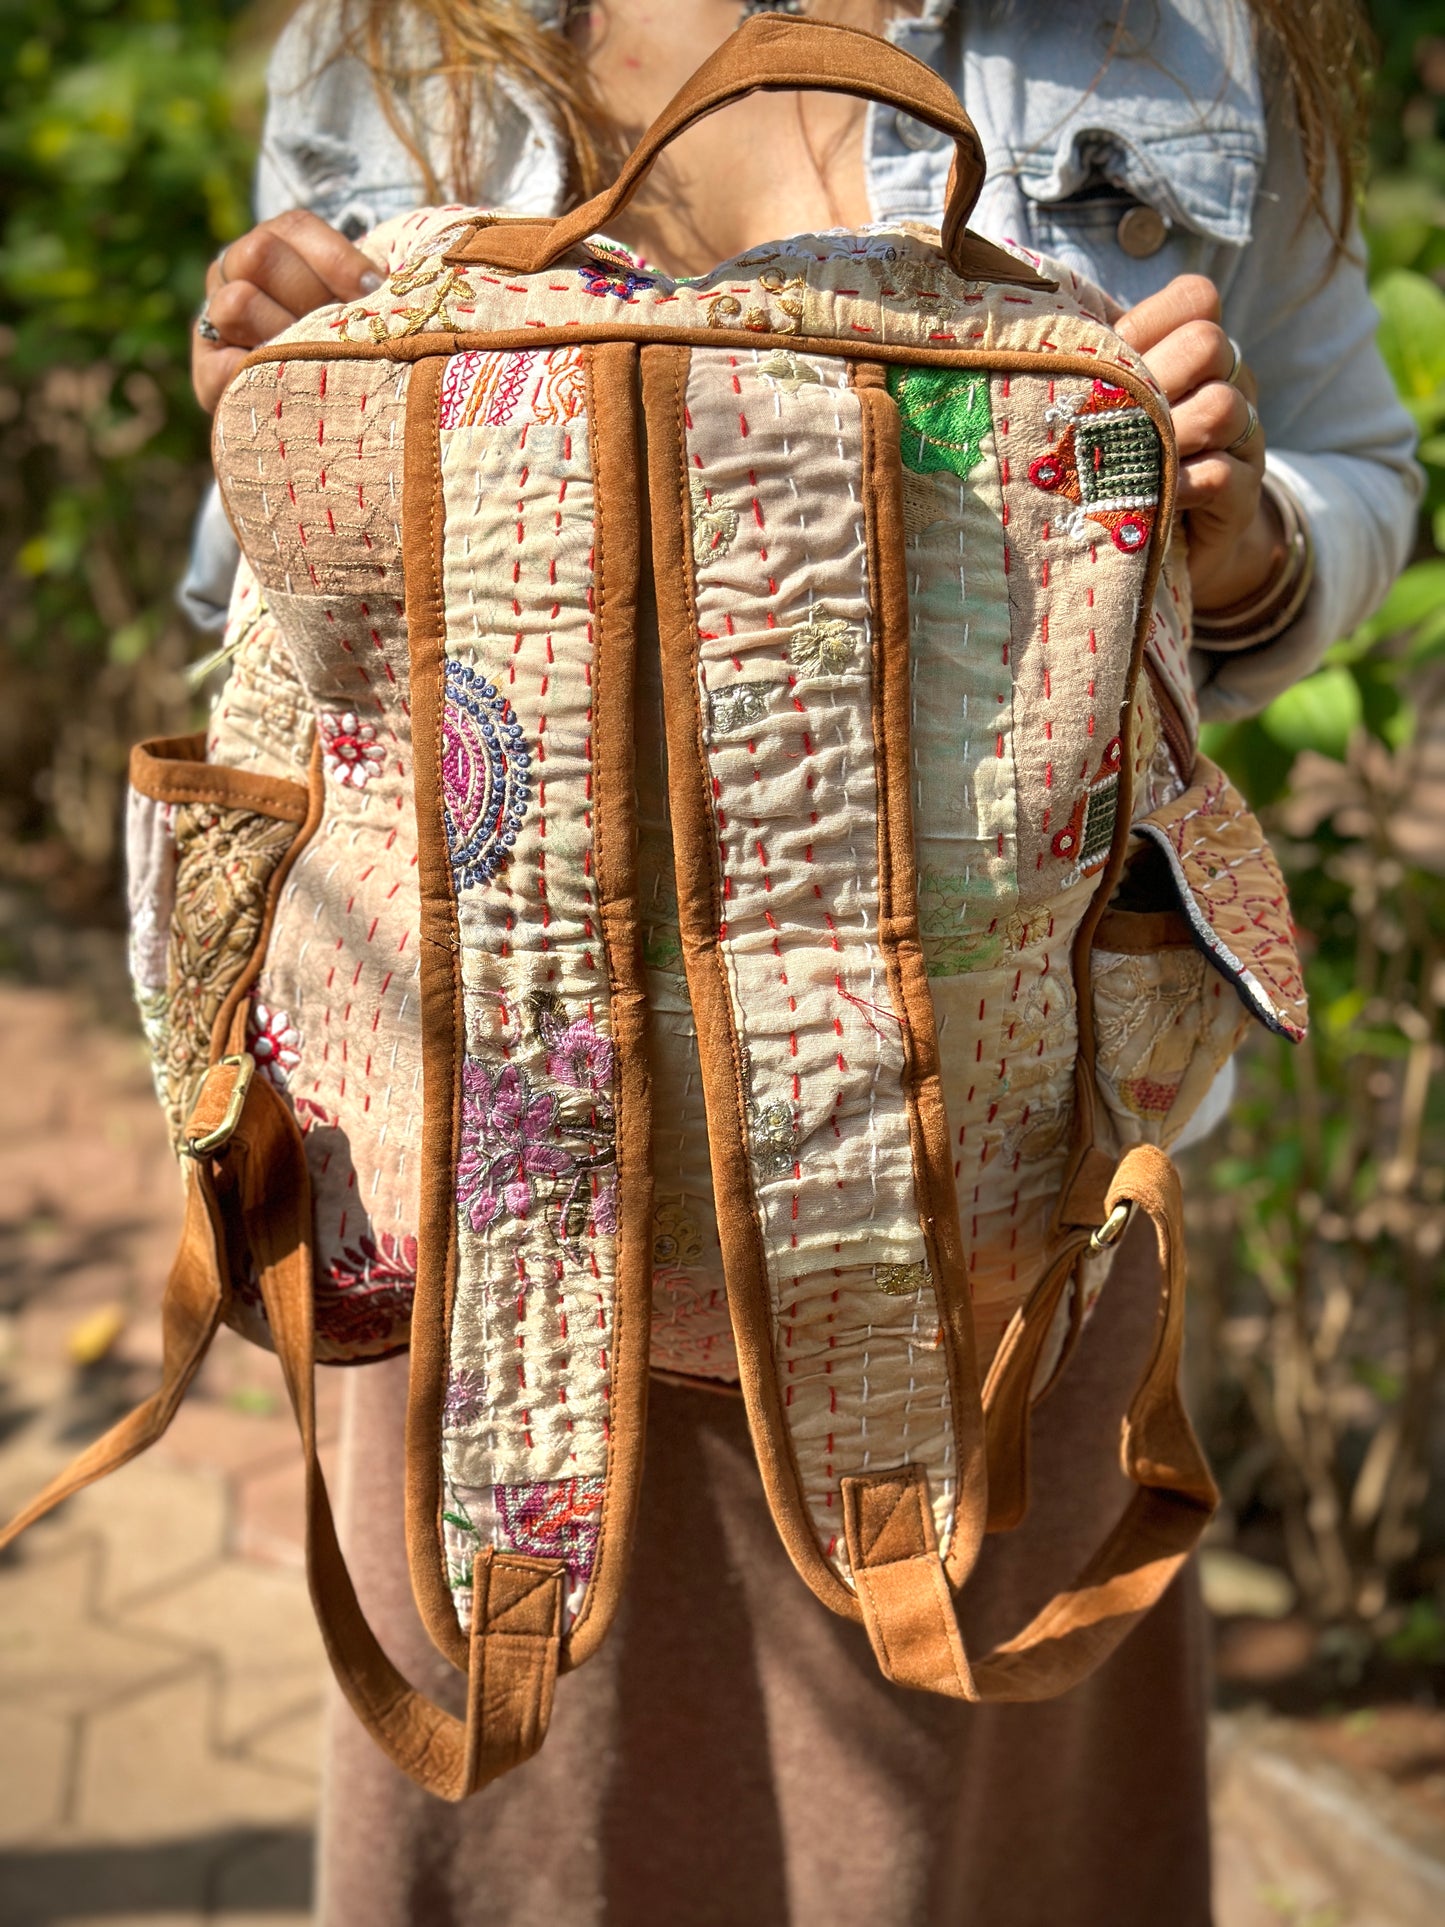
<point x="1136" y="141"/>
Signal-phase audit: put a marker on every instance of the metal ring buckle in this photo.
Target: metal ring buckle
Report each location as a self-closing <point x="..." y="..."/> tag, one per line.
<point x="244" y="1065"/>
<point x="1113" y="1228"/>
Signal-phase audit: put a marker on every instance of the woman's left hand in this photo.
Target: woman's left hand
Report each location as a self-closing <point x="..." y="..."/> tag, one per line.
<point x="1235" y="538"/>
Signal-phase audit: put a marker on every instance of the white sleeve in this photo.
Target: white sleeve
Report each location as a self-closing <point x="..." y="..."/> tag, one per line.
<point x="1337" y="434"/>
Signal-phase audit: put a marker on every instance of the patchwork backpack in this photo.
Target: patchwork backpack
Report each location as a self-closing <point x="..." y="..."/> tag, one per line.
<point x="701" y="865"/>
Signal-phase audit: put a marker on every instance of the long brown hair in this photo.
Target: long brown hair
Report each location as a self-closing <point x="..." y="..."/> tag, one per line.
<point x="467" y="43"/>
<point x="1321" y="50"/>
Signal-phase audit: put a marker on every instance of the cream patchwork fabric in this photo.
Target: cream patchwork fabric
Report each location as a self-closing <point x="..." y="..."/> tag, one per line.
<point x="785" y="684"/>
<point x="321" y="656"/>
<point x="524" y="1441"/>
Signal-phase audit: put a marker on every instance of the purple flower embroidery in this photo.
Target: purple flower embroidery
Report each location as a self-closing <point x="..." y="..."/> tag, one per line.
<point x="579" y="1056"/>
<point x="508" y="1140"/>
<point x="620" y="281"/>
<point x="604" y="1208"/>
<point x="465" y="1400"/>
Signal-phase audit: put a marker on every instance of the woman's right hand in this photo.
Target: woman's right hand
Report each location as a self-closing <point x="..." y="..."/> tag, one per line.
<point x="264" y="281"/>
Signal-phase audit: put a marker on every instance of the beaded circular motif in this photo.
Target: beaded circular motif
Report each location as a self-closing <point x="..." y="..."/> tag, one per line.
<point x="486" y="776"/>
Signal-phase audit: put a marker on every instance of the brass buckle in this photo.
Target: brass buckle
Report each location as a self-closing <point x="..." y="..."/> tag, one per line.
<point x="1113" y="1228"/>
<point x="244" y="1065"/>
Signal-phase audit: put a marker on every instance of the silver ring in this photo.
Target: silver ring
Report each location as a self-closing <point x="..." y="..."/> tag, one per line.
<point x="1250" y="431"/>
<point x="1238" y="362"/>
<point x="207" y="329"/>
<point x="220" y="266"/>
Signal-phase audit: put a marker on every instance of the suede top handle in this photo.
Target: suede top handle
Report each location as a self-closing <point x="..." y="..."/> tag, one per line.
<point x="772" y="54"/>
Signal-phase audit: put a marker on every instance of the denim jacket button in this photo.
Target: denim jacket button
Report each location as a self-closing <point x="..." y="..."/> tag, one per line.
<point x="914" y="134"/>
<point x="1142" y="231"/>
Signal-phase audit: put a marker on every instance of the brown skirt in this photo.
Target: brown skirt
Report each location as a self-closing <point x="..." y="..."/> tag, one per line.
<point x="732" y="1755"/>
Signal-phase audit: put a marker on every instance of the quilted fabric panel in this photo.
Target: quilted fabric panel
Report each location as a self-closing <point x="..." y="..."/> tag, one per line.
<point x="310" y="466"/>
<point x="786" y="673"/>
<point x="1234" y="896"/>
<point x="525" y="1421"/>
<point x="333" y="1018"/>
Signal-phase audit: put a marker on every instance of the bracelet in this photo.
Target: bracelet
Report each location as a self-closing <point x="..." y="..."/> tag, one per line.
<point x="1269" y="610"/>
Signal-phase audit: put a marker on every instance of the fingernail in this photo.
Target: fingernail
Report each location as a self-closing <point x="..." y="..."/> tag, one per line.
<point x="370" y="281"/>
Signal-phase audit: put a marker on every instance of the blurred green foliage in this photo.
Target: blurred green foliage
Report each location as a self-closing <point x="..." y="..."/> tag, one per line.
<point x="1324" y="1279"/>
<point x="126" y="135"/>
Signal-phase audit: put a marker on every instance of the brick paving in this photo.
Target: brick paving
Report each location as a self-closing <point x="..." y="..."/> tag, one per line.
<point x="160" y="1673"/>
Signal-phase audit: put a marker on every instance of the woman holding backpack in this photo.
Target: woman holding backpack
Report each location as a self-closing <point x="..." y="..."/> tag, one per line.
<point x="731" y="1752"/>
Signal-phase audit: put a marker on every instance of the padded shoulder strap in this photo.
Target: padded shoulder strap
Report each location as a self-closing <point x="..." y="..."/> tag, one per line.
<point x="906" y="1600"/>
<point x="259" y="1175"/>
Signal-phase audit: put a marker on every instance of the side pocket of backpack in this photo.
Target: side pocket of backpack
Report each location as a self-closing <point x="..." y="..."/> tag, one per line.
<point x="1196" y="943"/>
<point x="207" y="850"/>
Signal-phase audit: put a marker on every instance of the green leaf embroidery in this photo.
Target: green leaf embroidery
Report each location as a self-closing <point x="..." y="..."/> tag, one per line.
<point x="945" y="417"/>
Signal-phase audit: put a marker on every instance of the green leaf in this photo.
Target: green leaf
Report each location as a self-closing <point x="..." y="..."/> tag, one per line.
<point x="1338" y="1016"/>
<point x="1412" y="341"/>
<point x="1320" y="713"/>
<point x="1418" y="596"/>
<point x="1421" y="1640"/>
<point x="1255" y="761"/>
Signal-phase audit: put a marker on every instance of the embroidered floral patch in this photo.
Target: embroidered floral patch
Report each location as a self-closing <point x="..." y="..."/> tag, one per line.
<point x="714" y="524"/>
<point x="944" y="415"/>
<point x="465" y="1399"/>
<point x="509" y="1140"/>
<point x="789" y="372"/>
<point x="774" y="1133"/>
<point x="350" y="753"/>
<point x="551" y="1519"/>
<point x="621" y="281"/>
<point x="1108" y="462"/>
<point x="826" y="646"/>
<point x="275" y="1043"/>
<point x="1231" y="890"/>
<point x="902" y="1281"/>
<point x="486" y="776"/>
<point x="556" y="1519"/>
<point x="522" y="1147"/>
<point x="736" y="708"/>
<point x="676" y="1237"/>
<point x="225" y="860"/>
<point x="362" y="1301"/>
<point x="364" y="1297"/>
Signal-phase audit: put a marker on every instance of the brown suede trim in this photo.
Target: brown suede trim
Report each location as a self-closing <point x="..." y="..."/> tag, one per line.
<point x="228" y="1033"/>
<point x="1139" y="933"/>
<point x="517" y="1601"/>
<point x="695" y="856"/>
<point x="421" y="347"/>
<point x="763" y="55"/>
<point x="889" y="1527"/>
<point x="903" y="952"/>
<point x="1073" y="1204"/>
<point x="1183" y="746"/>
<point x="1007" y="1392"/>
<point x="422" y="523"/>
<point x="173" y="769"/>
<point x="612" y="434"/>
